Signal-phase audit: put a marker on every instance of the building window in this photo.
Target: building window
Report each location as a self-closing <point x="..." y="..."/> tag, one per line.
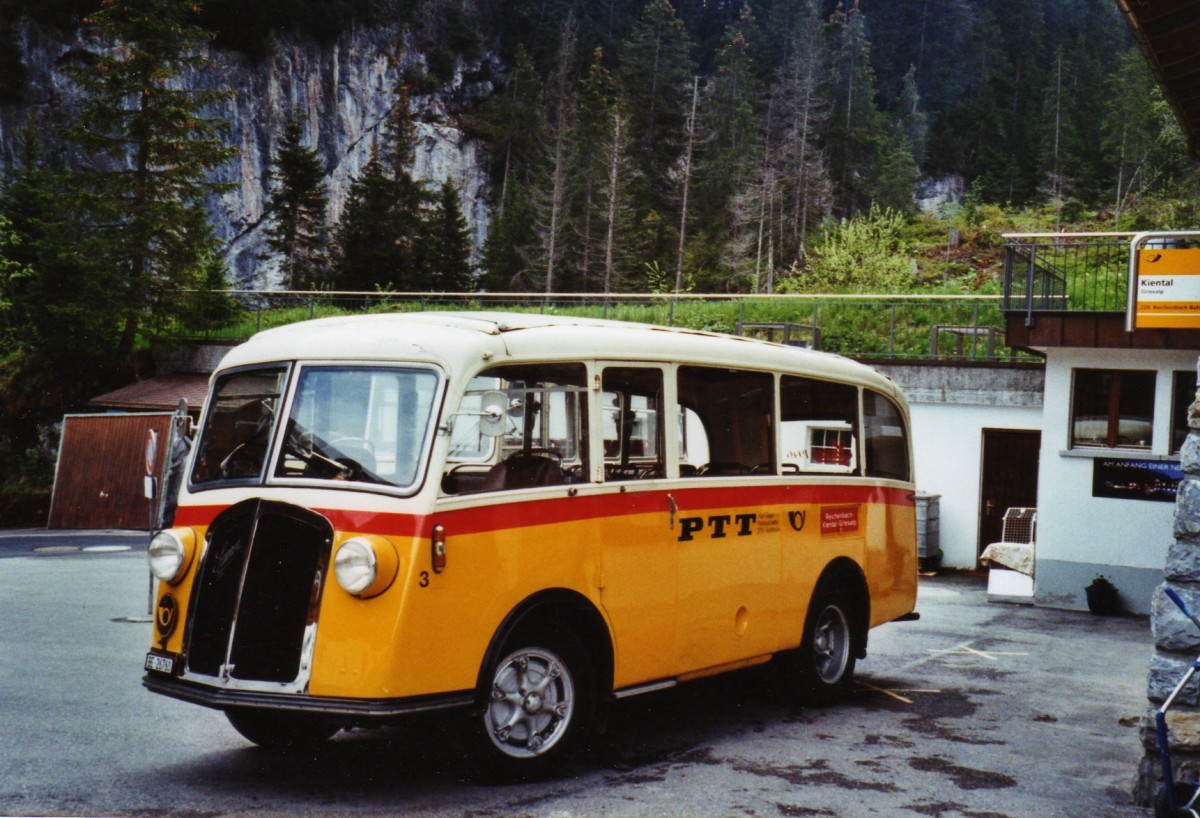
<point x="1112" y="408"/>
<point x="1182" y="395"/>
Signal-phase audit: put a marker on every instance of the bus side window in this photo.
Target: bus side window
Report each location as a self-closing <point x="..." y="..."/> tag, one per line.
<point x="818" y="427"/>
<point x="735" y="409"/>
<point x="886" y="438"/>
<point x="545" y="438"/>
<point x="632" y="398"/>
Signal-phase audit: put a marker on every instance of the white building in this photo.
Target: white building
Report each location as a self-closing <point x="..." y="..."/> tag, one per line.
<point x="1113" y="417"/>
<point x="976" y="431"/>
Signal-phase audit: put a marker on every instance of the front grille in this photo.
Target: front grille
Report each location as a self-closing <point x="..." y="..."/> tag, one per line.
<point x="257" y="591"/>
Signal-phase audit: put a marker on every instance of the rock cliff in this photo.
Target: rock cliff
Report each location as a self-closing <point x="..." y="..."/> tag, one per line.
<point x="343" y="89"/>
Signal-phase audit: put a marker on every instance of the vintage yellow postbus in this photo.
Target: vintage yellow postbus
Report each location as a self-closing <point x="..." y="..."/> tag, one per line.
<point x="518" y="519"/>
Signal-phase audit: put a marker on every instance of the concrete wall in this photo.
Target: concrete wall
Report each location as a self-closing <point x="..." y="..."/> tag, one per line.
<point x="189" y="357"/>
<point x="1079" y="535"/>
<point x="950" y="406"/>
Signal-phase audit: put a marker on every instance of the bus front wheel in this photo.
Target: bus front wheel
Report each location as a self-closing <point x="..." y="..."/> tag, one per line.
<point x="823" y="666"/>
<point x="539" y="703"/>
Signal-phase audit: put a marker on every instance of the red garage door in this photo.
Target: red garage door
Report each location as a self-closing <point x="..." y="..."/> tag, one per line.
<point x="100" y="480"/>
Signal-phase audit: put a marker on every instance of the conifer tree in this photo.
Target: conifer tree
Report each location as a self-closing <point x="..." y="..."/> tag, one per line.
<point x="656" y="72"/>
<point x="510" y="120"/>
<point x="508" y="247"/>
<point x="854" y="122"/>
<point x="449" y="244"/>
<point x="410" y="199"/>
<point x="151" y="150"/>
<point x="619" y="212"/>
<point x="60" y="321"/>
<point x="589" y="174"/>
<point x="381" y="237"/>
<point x="297" y="230"/>
<point x="365" y="250"/>
<point x="1144" y="143"/>
<point x="801" y="111"/>
<point x="688" y="164"/>
<point x="731" y="154"/>
<point x="551" y="185"/>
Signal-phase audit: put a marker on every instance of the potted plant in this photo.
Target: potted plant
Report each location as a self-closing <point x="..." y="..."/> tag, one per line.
<point x="1103" y="599"/>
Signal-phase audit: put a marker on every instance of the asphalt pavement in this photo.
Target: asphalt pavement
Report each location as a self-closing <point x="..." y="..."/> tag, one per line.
<point x="978" y="710"/>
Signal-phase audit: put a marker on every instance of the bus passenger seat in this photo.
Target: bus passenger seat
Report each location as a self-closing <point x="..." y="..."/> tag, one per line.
<point x="523" y="471"/>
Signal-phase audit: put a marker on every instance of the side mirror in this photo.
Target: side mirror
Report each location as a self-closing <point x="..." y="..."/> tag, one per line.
<point x="494" y="408"/>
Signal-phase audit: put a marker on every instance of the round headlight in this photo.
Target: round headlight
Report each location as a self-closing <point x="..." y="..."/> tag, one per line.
<point x="170" y="554"/>
<point x="366" y="566"/>
<point x="355" y="565"/>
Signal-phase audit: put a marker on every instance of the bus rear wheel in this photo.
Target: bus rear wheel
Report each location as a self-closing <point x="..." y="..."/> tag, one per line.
<point x="281" y="731"/>
<point x="823" y="666"/>
<point x="538" y="705"/>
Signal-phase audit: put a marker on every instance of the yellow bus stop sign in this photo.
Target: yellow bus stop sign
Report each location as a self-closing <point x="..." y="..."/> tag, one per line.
<point x="1168" y="288"/>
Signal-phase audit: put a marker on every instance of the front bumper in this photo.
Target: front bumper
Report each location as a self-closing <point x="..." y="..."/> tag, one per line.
<point x="362" y="710"/>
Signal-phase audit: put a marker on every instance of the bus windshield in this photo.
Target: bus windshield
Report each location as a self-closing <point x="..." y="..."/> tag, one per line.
<point x="362" y="424"/>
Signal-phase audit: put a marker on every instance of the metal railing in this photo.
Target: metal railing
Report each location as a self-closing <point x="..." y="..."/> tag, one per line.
<point x="1065" y="272"/>
<point x="912" y="327"/>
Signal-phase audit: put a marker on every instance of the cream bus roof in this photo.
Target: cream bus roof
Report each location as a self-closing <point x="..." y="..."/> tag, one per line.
<point x="463" y="341"/>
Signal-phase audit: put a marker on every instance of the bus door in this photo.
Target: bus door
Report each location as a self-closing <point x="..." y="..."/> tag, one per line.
<point x="638" y="554"/>
<point x="727" y="531"/>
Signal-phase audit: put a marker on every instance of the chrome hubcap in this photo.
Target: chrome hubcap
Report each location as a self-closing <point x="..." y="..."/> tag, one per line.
<point x="831" y="644"/>
<point x="531" y="702"/>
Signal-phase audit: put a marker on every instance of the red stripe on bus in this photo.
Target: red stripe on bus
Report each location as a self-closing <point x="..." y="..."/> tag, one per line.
<point x="548" y="511"/>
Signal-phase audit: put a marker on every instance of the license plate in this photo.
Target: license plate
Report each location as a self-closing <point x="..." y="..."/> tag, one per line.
<point x="160" y="664"/>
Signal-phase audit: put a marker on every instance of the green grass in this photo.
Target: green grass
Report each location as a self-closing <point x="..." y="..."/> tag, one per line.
<point x="854" y="327"/>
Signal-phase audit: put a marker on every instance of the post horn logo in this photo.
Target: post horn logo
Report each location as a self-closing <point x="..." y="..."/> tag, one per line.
<point x="166" y="615"/>
<point x="796" y="520"/>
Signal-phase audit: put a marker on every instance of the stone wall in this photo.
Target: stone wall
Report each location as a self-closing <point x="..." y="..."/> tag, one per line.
<point x="1176" y="638"/>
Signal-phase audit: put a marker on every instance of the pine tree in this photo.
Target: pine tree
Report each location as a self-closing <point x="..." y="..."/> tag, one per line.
<point x="685" y="184"/>
<point x="510" y="119"/>
<point x="297" y="231"/>
<point x="656" y="70"/>
<point x="731" y="154"/>
<point x="1144" y="143"/>
<point x="551" y="186"/>
<point x="854" y="122"/>
<point x="365" y="250"/>
<point x="507" y="249"/>
<point x="151" y="150"/>
<point x="380" y="241"/>
<point x="63" y="304"/>
<point x="589" y="175"/>
<point x="619" y="212"/>
<point x="410" y="199"/>
<point x="802" y="109"/>
<point x="449" y="244"/>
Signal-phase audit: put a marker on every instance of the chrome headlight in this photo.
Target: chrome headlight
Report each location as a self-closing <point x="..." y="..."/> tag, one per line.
<point x="365" y="566"/>
<point x="170" y="554"/>
<point x="355" y="565"/>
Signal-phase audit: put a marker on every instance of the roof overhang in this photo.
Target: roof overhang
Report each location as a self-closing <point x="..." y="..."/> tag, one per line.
<point x="161" y="394"/>
<point x="1167" y="32"/>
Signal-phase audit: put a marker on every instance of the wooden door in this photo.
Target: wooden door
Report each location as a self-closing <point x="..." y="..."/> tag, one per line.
<point x="1010" y="477"/>
<point x="100" y="479"/>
